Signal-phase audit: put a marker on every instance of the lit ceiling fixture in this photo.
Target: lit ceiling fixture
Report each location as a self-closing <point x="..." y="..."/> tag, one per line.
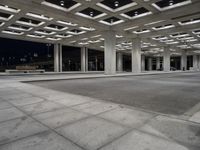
<point x="62" y="3"/>
<point x="116" y="3"/>
<point x="171" y="2"/>
<point x="91" y="13"/>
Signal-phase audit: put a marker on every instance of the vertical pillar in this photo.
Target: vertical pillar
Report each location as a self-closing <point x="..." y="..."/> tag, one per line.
<point x="150" y="64"/>
<point x="184" y="60"/>
<point x="60" y="58"/>
<point x="110" y="52"/>
<point x="142" y="63"/>
<point x="166" y="59"/>
<point x="57" y="58"/>
<point x="198" y="62"/>
<point x="195" y="62"/>
<point x="84" y="59"/>
<point x="120" y="62"/>
<point x="136" y="55"/>
<point x="158" y="63"/>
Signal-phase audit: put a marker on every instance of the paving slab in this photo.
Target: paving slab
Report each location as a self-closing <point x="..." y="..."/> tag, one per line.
<point x="175" y="129"/>
<point x="128" y="117"/>
<point x="68" y="101"/>
<point x="136" y="140"/>
<point x="92" y="133"/>
<point x="195" y="117"/>
<point x="43" y="141"/>
<point x="16" y="96"/>
<point x="60" y="117"/>
<point x="19" y="128"/>
<point x="26" y="101"/>
<point x="4" y="105"/>
<point x="10" y="113"/>
<point x="41" y="107"/>
<point x="96" y="107"/>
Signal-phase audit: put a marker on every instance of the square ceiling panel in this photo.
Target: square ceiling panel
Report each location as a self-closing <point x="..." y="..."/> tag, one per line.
<point x="136" y="13"/>
<point x="76" y="32"/>
<point x="91" y="13"/>
<point x="169" y="4"/>
<point x="19" y="27"/>
<point x="29" y="22"/>
<point x="65" y="5"/>
<point x="55" y="27"/>
<point x="112" y="21"/>
<point x="8" y="8"/>
<point x="1" y="24"/>
<point x="5" y="16"/>
<point x="116" y="5"/>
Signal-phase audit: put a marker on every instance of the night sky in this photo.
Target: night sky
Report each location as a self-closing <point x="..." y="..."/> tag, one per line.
<point x="10" y="47"/>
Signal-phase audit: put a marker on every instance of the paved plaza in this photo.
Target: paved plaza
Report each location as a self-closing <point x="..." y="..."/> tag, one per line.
<point x="37" y="118"/>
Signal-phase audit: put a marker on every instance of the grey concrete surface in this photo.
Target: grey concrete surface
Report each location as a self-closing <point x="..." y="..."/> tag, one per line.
<point x="37" y="118"/>
<point x="166" y="93"/>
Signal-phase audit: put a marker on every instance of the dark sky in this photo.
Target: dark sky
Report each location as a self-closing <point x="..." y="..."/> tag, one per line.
<point x="18" y="47"/>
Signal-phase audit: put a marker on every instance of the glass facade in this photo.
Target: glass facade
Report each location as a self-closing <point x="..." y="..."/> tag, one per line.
<point x="15" y="53"/>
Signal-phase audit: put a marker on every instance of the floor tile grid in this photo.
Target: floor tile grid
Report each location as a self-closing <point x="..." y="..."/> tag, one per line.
<point x="53" y="130"/>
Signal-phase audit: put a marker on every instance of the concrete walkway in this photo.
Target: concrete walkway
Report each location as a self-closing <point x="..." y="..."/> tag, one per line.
<point x="36" y="118"/>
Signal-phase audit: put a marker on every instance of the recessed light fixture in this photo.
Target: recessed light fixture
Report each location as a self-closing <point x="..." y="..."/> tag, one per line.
<point x="62" y="3"/>
<point x="116" y="3"/>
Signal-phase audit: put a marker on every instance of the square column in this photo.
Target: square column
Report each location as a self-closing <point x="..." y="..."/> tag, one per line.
<point x="110" y="52"/>
<point x="84" y="59"/>
<point x="158" y="63"/>
<point x="136" y="55"/>
<point x="183" y="60"/>
<point x="166" y="59"/>
<point x="120" y="62"/>
<point x="60" y="59"/>
<point x="195" y="62"/>
<point x="57" y="58"/>
<point x="149" y="64"/>
<point x="142" y="63"/>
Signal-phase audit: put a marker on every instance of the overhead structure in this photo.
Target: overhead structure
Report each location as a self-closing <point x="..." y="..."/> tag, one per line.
<point x="83" y="23"/>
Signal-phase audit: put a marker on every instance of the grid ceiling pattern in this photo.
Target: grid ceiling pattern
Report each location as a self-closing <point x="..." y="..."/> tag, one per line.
<point x="159" y="23"/>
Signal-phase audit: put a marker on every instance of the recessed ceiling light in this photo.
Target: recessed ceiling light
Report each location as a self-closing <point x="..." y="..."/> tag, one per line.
<point x="116" y="3"/>
<point x="62" y="3"/>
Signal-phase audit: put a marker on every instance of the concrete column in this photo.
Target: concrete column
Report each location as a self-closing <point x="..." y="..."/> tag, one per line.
<point x="142" y="63"/>
<point x="84" y="59"/>
<point x="166" y="59"/>
<point x="158" y="63"/>
<point x="56" y="58"/>
<point x="183" y="60"/>
<point x="136" y="55"/>
<point x="120" y="62"/>
<point x="149" y="64"/>
<point x="195" y="62"/>
<point x="110" y="52"/>
<point x="60" y="58"/>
